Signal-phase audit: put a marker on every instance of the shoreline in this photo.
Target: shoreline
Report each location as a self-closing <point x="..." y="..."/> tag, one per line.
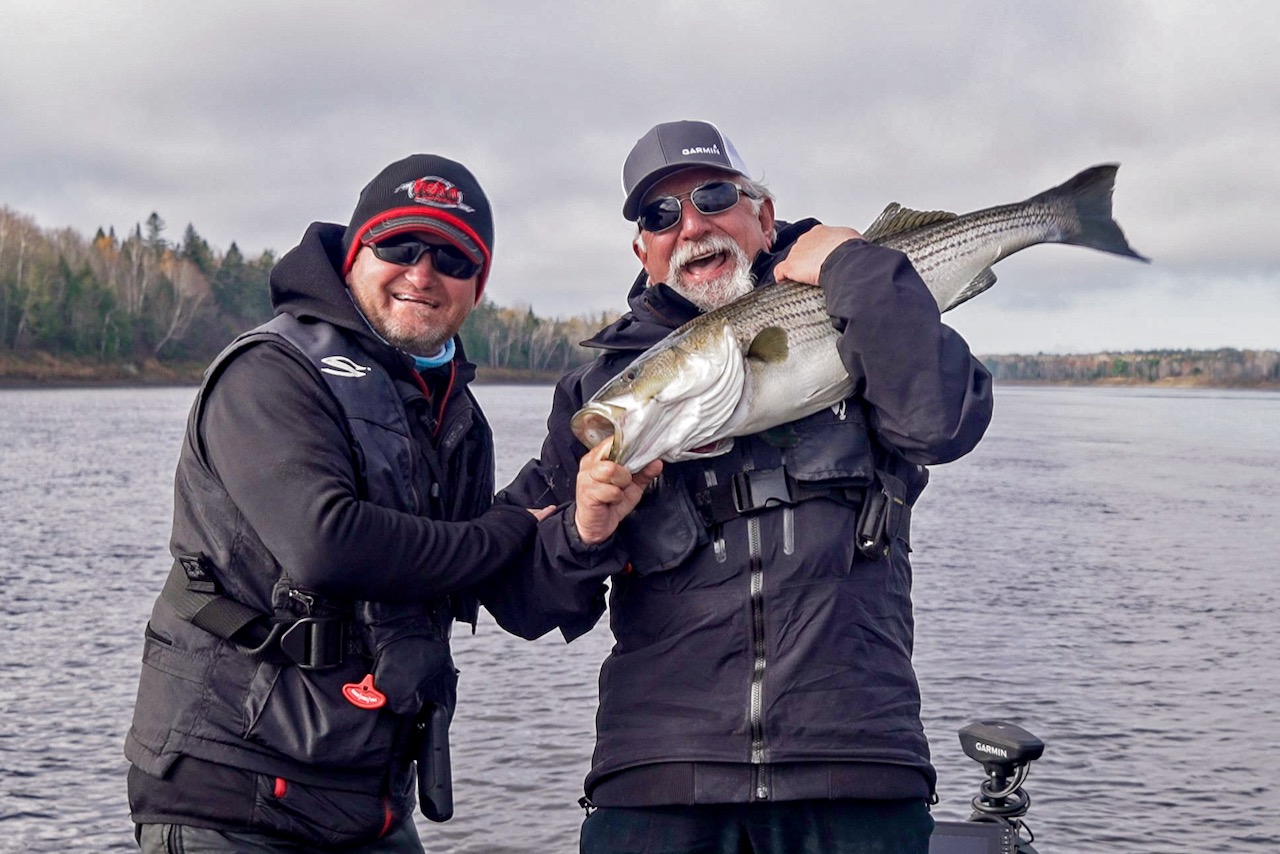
<point x="40" y="370"/>
<point x="8" y="383"/>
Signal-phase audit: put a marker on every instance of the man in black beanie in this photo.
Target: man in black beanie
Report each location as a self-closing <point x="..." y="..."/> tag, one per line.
<point x="332" y="519"/>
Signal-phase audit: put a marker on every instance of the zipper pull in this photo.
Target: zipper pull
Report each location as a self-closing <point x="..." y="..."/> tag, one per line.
<point x="308" y="601"/>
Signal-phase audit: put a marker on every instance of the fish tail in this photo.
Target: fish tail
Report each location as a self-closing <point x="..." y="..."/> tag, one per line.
<point x="1087" y="197"/>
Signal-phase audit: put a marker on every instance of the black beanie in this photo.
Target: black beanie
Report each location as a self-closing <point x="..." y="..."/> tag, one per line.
<point x="424" y="192"/>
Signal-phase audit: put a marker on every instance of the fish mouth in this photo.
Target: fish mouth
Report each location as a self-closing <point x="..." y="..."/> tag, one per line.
<point x="594" y="423"/>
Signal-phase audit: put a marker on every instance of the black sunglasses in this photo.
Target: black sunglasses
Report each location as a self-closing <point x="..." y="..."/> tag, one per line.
<point x="711" y="198"/>
<point x="406" y="251"/>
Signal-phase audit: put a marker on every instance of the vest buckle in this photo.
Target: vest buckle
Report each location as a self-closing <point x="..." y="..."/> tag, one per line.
<point x="315" y="643"/>
<point x="757" y="489"/>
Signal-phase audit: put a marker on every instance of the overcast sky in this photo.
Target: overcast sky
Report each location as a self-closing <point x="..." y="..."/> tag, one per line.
<point x="251" y="120"/>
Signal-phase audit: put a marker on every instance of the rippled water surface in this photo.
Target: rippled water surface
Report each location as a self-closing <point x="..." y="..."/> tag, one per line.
<point x="1101" y="571"/>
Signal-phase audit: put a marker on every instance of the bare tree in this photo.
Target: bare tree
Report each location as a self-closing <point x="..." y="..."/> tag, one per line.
<point x="544" y="338"/>
<point x="189" y="289"/>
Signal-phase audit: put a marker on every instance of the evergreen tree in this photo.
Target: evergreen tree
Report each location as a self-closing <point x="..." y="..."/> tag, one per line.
<point x="155" y="228"/>
<point x="196" y="250"/>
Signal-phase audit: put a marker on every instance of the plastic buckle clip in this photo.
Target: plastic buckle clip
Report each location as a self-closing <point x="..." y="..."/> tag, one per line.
<point x="756" y="490"/>
<point x="315" y="643"/>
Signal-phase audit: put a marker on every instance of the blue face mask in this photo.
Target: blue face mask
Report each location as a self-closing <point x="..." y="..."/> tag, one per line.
<point x="444" y="357"/>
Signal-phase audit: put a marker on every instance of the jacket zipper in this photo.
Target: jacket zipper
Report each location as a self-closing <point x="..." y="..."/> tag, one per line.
<point x="756" y="710"/>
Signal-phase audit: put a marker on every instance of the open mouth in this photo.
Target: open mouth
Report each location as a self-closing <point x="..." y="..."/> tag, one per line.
<point x="704" y="262"/>
<point x="410" y="298"/>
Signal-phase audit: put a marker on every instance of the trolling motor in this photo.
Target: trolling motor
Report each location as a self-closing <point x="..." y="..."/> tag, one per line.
<point x="1006" y="753"/>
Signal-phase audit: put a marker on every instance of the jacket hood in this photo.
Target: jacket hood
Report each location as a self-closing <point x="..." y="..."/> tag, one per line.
<point x="306" y="284"/>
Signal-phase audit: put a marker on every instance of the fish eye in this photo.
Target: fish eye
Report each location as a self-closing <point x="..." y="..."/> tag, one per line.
<point x="629" y="376"/>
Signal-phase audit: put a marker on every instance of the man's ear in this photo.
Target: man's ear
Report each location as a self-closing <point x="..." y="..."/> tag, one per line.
<point x="766" y="220"/>
<point x="637" y="246"/>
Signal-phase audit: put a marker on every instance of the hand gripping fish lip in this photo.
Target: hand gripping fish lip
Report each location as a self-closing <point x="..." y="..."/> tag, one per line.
<point x="595" y="422"/>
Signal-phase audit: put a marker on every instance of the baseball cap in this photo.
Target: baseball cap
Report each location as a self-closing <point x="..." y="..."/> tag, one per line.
<point x="669" y="147"/>
<point x="424" y="192"/>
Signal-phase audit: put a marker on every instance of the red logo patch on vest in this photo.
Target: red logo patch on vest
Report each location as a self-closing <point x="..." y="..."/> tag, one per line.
<point x="364" y="695"/>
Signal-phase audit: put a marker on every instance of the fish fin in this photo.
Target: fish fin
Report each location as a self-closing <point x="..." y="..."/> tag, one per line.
<point x="769" y="345"/>
<point x="980" y="283"/>
<point x="895" y="219"/>
<point x="1088" y="196"/>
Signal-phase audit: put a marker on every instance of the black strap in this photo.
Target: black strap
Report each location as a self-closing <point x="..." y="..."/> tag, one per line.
<point x="312" y="643"/>
<point x="752" y="491"/>
<point x="192" y="592"/>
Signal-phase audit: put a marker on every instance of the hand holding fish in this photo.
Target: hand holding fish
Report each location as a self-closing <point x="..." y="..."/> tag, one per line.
<point x="804" y="262"/>
<point x="606" y="492"/>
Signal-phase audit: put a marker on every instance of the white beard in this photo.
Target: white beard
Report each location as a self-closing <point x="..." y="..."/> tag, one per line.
<point x="720" y="291"/>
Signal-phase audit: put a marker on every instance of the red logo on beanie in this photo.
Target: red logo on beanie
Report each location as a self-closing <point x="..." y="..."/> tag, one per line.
<point x="436" y="192"/>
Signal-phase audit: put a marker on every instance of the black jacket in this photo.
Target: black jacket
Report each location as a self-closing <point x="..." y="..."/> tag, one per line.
<point x="764" y="657"/>
<point x="298" y="507"/>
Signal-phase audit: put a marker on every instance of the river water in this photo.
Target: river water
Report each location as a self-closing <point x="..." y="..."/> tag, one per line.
<point x="1101" y="571"/>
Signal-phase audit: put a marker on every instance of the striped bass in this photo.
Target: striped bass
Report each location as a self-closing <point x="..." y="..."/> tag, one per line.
<point x="770" y="357"/>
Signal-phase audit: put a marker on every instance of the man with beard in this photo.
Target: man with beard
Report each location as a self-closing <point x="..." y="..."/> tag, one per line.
<point x="332" y="519"/>
<point x="760" y="695"/>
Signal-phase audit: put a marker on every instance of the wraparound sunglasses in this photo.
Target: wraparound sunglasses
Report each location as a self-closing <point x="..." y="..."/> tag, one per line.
<point x="406" y="251"/>
<point x="710" y="198"/>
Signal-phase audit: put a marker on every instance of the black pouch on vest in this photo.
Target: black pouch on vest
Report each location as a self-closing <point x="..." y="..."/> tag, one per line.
<point x="885" y="516"/>
<point x="435" y="777"/>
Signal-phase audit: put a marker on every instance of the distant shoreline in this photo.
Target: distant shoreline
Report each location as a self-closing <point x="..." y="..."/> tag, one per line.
<point x="40" y="370"/>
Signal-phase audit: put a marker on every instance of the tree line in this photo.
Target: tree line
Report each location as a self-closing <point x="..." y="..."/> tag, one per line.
<point x="113" y="298"/>
<point x="1221" y="367"/>
<point x="116" y="299"/>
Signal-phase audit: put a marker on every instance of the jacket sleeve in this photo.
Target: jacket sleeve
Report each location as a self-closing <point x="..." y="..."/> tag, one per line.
<point x="929" y="398"/>
<point x="276" y="440"/>
<point x="563" y="583"/>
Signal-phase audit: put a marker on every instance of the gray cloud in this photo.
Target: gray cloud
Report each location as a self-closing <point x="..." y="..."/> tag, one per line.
<point x="251" y="121"/>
